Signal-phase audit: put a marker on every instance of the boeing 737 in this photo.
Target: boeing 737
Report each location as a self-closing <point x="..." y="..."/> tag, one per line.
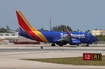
<point x="53" y="37"/>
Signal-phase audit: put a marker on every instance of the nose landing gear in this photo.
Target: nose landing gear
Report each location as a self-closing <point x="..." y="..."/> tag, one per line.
<point x="87" y="45"/>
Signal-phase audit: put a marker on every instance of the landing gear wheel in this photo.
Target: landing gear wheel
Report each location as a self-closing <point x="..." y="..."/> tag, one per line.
<point x="87" y="45"/>
<point x="53" y="44"/>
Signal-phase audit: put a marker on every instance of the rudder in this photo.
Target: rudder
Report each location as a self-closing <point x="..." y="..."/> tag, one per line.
<point x="23" y="22"/>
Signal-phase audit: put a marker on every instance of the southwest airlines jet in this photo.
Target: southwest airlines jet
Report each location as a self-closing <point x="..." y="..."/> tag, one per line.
<point x="55" y="38"/>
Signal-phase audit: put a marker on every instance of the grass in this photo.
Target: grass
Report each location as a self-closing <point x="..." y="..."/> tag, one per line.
<point x="71" y="60"/>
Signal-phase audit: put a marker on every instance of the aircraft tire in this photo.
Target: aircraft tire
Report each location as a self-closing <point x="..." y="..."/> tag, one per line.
<point x="87" y="45"/>
<point x="53" y="44"/>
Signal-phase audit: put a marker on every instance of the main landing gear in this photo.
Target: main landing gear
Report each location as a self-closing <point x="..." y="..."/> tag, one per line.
<point x="87" y="45"/>
<point x="53" y="44"/>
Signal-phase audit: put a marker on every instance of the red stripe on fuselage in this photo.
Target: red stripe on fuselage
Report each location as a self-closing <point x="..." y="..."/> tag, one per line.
<point x="34" y="36"/>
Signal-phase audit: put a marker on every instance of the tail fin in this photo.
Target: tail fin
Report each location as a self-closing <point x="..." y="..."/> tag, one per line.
<point x="23" y="22"/>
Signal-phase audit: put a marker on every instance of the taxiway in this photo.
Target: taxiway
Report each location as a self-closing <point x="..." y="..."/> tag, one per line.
<point x="10" y="56"/>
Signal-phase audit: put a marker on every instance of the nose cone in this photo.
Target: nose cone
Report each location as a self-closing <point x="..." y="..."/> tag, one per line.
<point x="94" y="39"/>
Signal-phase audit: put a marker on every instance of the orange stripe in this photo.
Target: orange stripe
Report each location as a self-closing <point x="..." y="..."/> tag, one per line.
<point x="68" y="32"/>
<point x="41" y="36"/>
<point x="34" y="33"/>
<point x="22" y="23"/>
<point x="34" y="36"/>
<point x="25" y="21"/>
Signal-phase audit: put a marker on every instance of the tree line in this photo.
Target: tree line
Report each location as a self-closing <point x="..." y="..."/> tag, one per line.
<point x="100" y="37"/>
<point x="5" y="30"/>
<point x="54" y="28"/>
<point x="58" y="28"/>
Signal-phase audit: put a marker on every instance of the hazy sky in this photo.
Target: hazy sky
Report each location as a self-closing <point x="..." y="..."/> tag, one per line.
<point x="78" y="14"/>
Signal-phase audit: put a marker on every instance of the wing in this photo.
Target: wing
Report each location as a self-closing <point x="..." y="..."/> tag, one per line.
<point x="67" y="38"/>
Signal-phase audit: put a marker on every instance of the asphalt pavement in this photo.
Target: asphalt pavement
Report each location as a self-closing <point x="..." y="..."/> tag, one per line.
<point x="10" y="56"/>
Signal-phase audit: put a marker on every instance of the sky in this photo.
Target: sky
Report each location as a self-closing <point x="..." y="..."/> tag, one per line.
<point x="78" y="14"/>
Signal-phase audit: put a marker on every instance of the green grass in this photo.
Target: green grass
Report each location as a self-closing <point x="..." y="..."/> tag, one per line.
<point x="70" y="60"/>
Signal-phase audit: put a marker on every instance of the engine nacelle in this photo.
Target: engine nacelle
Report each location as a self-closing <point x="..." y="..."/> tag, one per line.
<point x="61" y="42"/>
<point x="75" y="42"/>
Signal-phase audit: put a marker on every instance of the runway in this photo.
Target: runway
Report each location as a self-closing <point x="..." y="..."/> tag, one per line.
<point x="10" y="56"/>
<point x="36" y="49"/>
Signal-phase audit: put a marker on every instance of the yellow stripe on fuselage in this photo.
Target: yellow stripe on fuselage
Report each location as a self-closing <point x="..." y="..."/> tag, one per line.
<point x="41" y="36"/>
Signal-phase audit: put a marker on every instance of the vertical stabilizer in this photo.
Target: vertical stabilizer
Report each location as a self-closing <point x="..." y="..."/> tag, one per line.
<point x="23" y="22"/>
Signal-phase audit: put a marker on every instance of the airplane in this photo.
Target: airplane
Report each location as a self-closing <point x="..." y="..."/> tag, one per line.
<point x="53" y="37"/>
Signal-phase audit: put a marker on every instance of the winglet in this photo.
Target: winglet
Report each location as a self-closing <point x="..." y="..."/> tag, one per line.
<point x="23" y="22"/>
<point x="68" y="32"/>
